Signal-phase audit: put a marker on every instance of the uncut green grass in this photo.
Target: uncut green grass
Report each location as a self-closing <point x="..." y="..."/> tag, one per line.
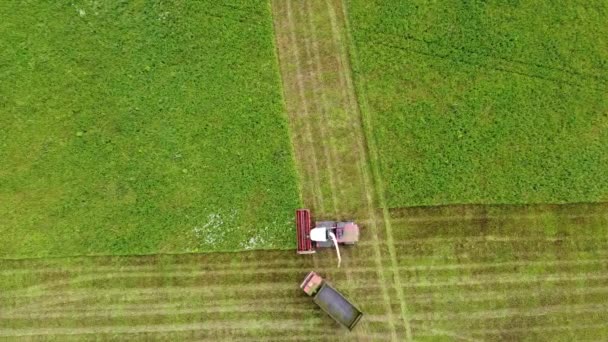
<point x="141" y="127"/>
<point x="485" y="102"/>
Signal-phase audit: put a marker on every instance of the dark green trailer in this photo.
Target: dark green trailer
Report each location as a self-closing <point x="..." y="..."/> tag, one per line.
<point x="331" y="301"/>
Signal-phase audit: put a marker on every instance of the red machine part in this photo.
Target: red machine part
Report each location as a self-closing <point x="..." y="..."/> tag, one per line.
<point x="311" y="283"/>
<point x="303" y="226"/>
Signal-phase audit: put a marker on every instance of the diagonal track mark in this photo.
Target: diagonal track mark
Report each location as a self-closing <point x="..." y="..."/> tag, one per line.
<point x="379" y="191"/>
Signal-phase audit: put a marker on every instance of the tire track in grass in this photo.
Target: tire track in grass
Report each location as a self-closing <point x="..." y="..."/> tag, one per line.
<point x="318" y="89"/>
<point x="356" y="124"/>
<point x="369" y="155"/>
<point x="298" y="118"/>
<point x="126" y="312"/>
<point x="80" y="279"/>
<point x="316" y="105"/>
<point x="348" y="100"/>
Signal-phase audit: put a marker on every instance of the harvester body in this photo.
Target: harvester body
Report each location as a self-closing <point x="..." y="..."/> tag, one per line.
<point x="346" y="233"/>
<point x="331" y="301"/>
<point x="310" y="238"/>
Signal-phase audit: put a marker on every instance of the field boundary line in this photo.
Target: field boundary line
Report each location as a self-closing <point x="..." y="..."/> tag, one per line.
<point x="362" y="109"/>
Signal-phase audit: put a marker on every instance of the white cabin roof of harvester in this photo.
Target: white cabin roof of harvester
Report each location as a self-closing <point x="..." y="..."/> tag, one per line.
<point x="318" y="234"/>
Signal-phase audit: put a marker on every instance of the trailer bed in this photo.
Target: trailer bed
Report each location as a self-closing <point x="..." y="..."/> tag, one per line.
<point x="340" y="309"/>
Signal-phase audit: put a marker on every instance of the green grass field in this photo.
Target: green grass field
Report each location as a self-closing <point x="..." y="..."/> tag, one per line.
<point x="485" y="102"/>
<point x="431" y="273"/>
<point x="141" y="127"/>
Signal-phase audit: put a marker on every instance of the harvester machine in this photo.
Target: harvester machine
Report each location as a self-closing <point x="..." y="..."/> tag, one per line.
<point x="323" y="234"/>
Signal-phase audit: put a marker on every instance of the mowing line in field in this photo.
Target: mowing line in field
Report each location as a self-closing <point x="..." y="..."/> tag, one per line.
<point x="515" y="278"/>
<point x="320" y="102"/>
<point x="514" y="216"/>
<point x="460" y="337"/>
<point x="308" y="145"/>
<point x="109" y="275"/>
<point x="316" y="91"/>
<point x="276" y="263"/>
<point x="126" y="312"/>
<point x="497" y="296"/>
<point x="509" y="312"/>
<point x="59" y="296"/>
<point x="347" y="101"/>
<point x="540" y="328"/>
<point x="313" y="337"/>
<point x="291" y="325"/>
<point x="211" y="290"/>
<point x="465" y="255"/>
<point x="346" y="77"/>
